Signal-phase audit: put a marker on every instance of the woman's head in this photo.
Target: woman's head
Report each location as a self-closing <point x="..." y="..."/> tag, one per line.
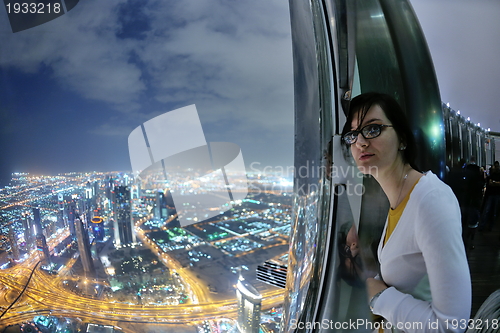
<point x="377" y="128"/>
<point x="351" y="267"/>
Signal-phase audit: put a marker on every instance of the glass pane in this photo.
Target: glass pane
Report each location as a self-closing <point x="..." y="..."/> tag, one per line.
<point x="145" y="165"/>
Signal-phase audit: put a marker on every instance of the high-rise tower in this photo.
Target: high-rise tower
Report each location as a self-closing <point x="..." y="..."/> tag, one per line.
<point x="41" y="242"/>
<point x="28" y="230"/>
<point x="37" y="221"/>
<point x="14" y="247"/>
<point x="42" y="247"/>
<point x="123" y="224"/>
<point x="71" y="207"/>
<point x="84" y="247"/>
<point x="249" y="304"/>
<point x="160" y="208"/>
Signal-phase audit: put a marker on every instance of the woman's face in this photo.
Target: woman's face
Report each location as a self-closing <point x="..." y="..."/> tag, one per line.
<point x="352" y="241"/>
<point x="380" y="154"/>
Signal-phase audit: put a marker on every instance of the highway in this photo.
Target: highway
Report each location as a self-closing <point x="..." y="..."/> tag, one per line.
<point x="45" y="294"/>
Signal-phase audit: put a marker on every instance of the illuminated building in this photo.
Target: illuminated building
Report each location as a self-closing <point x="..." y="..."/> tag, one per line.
<point x="13" y="244"/>
<point x="84" y="247"/>
<point x="28" y="230"/>
<point x="123" y="224"/>
<point x="41" y="242"/>
<point x="71" y="218"/>
<point x="160" y="208"/>
<point x="41" y="245"/>
<point x="37" y="221"/>
<point x="60" y="201"/>
<point x="109" y="188"/>
<point x="89" y="191"/>
<point x="136" y="191"/>
<point x="96" y="186"/>
<point x="272" y="273"/>
<point x="249" y="304"/>
<point x="97" y="226"/>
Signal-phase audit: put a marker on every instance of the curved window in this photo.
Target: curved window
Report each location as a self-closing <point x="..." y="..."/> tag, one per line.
<point x="146" y="164"/>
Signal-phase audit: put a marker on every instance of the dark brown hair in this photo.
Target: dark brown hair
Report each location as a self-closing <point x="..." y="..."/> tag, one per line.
<point x="362" y="103"/>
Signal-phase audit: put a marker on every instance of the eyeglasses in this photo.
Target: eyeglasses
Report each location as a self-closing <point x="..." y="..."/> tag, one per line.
<point x="347" y="252"/>
<point x="370" y="131"/>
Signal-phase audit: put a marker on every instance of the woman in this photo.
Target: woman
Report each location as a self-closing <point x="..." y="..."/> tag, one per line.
<point x="424" y="282"/>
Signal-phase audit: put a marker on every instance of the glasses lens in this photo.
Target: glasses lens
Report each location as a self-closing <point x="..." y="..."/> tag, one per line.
<point x="371" y="131"/>
<point x="350" y="138"/>
<point x="347" y="251"/>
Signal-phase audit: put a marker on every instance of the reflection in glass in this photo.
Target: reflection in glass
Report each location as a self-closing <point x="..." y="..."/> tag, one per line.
<point x="87" y="242"/>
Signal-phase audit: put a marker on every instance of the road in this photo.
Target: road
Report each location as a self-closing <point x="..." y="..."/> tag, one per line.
<point x="45" y="295"/>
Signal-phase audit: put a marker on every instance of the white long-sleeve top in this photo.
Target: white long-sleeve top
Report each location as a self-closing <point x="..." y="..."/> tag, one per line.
<point x="425" y="265"/>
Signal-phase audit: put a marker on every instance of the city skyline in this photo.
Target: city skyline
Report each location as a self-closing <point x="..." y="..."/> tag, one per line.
<point x="156" y="279"/>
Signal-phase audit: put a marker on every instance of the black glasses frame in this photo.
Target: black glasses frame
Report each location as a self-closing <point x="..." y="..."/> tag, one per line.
<point x="351" y="137"/>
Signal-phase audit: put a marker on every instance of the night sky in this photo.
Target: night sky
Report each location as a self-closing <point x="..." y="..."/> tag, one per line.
<point x="73" y="89"/>
<point x="464" y="40"/>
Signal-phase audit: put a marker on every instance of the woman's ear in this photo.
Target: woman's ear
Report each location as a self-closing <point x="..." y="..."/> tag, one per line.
<point x="402" y="144"/>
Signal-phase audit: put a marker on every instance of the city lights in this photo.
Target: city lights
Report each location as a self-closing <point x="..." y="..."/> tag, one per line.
<point x="124" y="250"/>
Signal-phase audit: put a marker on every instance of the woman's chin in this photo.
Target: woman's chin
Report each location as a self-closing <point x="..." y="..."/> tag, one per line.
<point x="367" y="169"/>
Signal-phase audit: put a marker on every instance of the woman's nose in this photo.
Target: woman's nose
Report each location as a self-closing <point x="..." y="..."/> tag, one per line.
<point x="361" y="141"/>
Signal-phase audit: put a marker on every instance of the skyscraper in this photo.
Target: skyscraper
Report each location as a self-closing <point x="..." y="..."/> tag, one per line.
<point x="160" y="208"/>
<point x="109" y="188"/>
<point x="41" y="245"/>
<point x="136" y="191"/>
<point x="14" y="247"/>
<point x="249" y="304"/>
<point x="84" y="247"/>
<point x="71" y="207"/>
<point x="123" y="223"/>
<point x="97" y="226"/>
<point x="28" y="230"/>
<point x="60" y="201"/>
<point x="60" y="213"/>
<point x="37" y="221"/>
<point x="89" y="191"/>
<point x="41" y="242"/>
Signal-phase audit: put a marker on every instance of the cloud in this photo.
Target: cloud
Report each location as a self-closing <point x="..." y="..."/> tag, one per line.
<point x="222" y="53"/>
<point x="243" y="62"/>
<point x="233" y="59"/>
<point x="83" y="53"/>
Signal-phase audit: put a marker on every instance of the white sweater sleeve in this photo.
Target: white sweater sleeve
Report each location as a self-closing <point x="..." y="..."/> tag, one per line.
<point x="437" y="227"/>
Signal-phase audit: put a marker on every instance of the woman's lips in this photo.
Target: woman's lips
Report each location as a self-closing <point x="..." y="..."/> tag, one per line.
<point x="365" y="156"/>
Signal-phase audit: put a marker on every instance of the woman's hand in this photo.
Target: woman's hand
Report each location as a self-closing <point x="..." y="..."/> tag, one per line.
<point x="374" y="286"/>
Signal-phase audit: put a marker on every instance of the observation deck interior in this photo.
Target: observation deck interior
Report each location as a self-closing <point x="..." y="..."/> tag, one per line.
<point x="484" y="263"/>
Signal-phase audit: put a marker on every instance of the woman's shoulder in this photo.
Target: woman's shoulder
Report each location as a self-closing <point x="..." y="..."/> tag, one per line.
<point x="431" y="188"/>
<point x="431" y="182"/>
<point x="435" y="206"/>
